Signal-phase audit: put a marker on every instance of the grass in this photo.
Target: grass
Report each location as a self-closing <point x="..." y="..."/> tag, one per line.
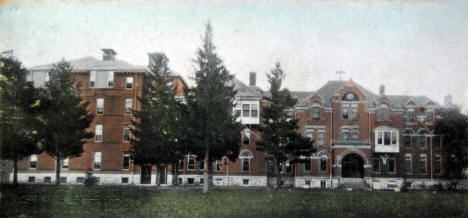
<point x="118" y="201"/>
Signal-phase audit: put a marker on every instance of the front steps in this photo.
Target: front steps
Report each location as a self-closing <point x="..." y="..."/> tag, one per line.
<point x="352" y="184"/>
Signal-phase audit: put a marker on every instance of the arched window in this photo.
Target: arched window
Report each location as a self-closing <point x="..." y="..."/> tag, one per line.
<point x="382" y="112"/>
<point x="245" y="157"/>
<point x="422" y="138"/>
<point x="407" y="137"/>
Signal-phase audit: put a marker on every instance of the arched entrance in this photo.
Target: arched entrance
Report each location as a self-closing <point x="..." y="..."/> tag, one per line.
<point x="352" y="166"/>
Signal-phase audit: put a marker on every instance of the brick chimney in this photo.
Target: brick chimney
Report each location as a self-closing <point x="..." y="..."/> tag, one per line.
<point x="108" y="54"/>
<point x="382" y="90"/>
<point x="253" y="79"/>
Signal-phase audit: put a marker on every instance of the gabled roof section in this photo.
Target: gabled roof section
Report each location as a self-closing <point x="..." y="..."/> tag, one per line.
<point x="303" y="98"/>
<point x="245" y="91"/>
<point x="91" y="63"/>
<point x="402" y="101"/>
<point x="327" y="91"/>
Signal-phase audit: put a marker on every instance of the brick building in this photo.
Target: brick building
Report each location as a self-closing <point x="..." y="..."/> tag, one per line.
<point x="375" y="139"/>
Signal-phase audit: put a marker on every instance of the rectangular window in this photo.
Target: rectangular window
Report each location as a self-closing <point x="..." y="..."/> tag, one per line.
<point x="190" y="162"/>
<point x="181" y="165"/>
<point x="246" y="110"/>
<point x="437" y="164"/>
<point x="190" y="181"/>
<point x="320" y="138"/>
<point x="33" y="161"/>
<point x="65" y="163"/>
<point x="429" y="116"/>
<point x="422" y="141"/>
<point x="246" y="136"/>
<point x="323" y="164"/>
<point x="63" y="179"/>
<point x="423" y="164"/>
<point x="110" y="80"/>
<point x="32" y="179"/>
<point x="394" y="138"/>
<point x="202" y="180"/>
<point x="315" y="112"/>
<point x="100" y="106"/>
<point x="345" y="134"/>
<point x="386" y="138"/>
<point x="391" y="165"/>
<point x="307" y="166"/>
<point x="345" y="114"/>
<point x="254" y="110"/>
<point x="201" y="165"/>
<point x="79" y="179"/>
<point x="129" y="82"/>
<point x="408" y="164"/>
<point x="47" y="179"/>
<point x="126" y="161"/>
<point x="245" y="181"/>
<point x="218" y="165"/>
<point x="124" y="180"/>
<point x="309" y="133"/>
<point x="245" y="164"/>
<point x="98" y="133"/>
<point x="92" y="78"/>
<point x="128" y="105"/>
<point x="379" y="138"/>
<point x="376" y="165"/>
<point x="126" y="135"/>
<point x="46" y="77"/>
<point x="354" y="135"/>
<point x="407" y="140"/>
<point x="410" y="116"/>
<point x="97" y="160"/>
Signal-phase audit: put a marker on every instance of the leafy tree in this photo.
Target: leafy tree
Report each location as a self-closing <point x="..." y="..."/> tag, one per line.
<point x="213" y="130"/>
<point x="159" y="131"/>
<point x="453" y="127"/>
<point x="19" y="107"/>
<point x="279" y="133"/>
<point x="66" y="119"/>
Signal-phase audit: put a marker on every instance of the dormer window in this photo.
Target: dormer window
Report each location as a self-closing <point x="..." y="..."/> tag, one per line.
<point x="110" y="80"/>
<point x="429" y="116"/>
<point x="382" y="113"/>
<point x="315" y="111"/>
<point x="410" y="115"/>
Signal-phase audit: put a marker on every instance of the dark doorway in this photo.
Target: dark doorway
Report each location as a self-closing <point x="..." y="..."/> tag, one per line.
<point x="352" y="166"/>
<point x="145" y="174"/>
<point x="162" y="175"/>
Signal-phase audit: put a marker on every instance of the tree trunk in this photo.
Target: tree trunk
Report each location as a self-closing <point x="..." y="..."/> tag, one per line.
<point x="157" y="175"/>
<point x="205" y="174"/>
<point x="278" y="175"/>
<point x="175" y="167"/>
<point x="15" y="172"/>
<point x="57" y="171"/>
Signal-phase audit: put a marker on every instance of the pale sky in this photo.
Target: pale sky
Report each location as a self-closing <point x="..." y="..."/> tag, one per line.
<point x="416" y="47"/>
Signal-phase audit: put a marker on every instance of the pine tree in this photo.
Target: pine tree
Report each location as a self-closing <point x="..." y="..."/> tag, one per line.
<point x="159" y="134"/>
<point x="66" y="120"/>
<point x="453" y="127"/>
<point x="19" y="107"/>
<point x="213" y="130"/>
<point x="279" y="136"/>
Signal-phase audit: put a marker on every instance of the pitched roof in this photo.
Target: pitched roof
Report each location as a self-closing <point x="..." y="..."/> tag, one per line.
<point x="92" y="63"/>
<point x="244" y="90"/>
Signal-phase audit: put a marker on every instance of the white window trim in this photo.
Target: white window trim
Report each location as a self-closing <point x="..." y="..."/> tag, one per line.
<point x="127" y="127"/>
<point x="129" y="80"/>
<point x="127" y="106"/>
<point x="408" y="157"/>
<point x="101" y="127"/>
<point x="94" y="160"/>
<point x="189" y="157"/>
<point x="98" y="104"/>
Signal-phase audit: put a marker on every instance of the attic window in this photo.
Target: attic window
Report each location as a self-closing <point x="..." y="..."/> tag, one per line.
<point x="92" y="78"/>
<point x="314" y="111"/>
<point x="350" y="97"/>
<point x="382" y="113"/>
<point x="110" y="80"/>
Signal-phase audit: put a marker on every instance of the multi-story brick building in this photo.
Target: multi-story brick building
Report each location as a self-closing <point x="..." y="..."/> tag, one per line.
<point x="360" y="136"/>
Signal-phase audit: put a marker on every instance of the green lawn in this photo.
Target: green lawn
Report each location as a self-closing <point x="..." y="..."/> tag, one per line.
<point x="117" y="201"/>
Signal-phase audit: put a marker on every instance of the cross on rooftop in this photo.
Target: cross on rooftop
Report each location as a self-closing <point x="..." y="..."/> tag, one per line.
<point x="340" y="72"/>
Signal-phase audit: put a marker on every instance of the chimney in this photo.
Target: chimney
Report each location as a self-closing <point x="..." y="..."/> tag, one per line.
<point x="108" y="54"/>
<point x="382" y="90"/>
<point x="253" y="79"/>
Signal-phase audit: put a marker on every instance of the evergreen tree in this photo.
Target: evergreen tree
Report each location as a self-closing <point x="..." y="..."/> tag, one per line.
<point x="66" y="119"/>
<point x="213" y="130"/>
<point x="159" y="134"/>
<point x="453" y="127"/>
<point x="19" y="107"/>
<point x="279" y="133"/>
